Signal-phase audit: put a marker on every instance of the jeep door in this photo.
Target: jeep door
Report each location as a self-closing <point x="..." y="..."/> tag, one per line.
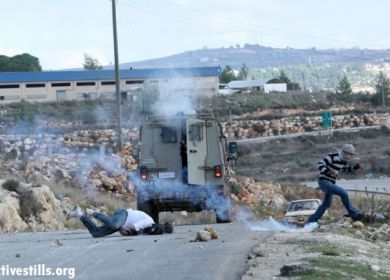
<point x="196" y="150"/>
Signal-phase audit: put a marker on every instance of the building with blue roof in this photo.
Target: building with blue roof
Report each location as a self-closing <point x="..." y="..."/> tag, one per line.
<point x="55" y="86"/>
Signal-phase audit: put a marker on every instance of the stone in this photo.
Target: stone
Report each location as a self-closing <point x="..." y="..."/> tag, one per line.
<point x="212" y="231"/>
<point x="109" y="182"/>
<point x="358" y="225"/>
<point x="294" y="269"/>
<point x="375" y="268"/>
<point x="258" y="252"/>
<point x="203" y="236"/>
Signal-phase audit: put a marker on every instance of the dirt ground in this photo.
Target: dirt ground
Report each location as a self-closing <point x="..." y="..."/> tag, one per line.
<point x="331" y="256"/>
<point x="295" y="159"/>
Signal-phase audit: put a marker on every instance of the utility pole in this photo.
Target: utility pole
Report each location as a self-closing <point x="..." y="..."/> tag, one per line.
<point x="117" y="79"/>
<point x="383" y="95"/>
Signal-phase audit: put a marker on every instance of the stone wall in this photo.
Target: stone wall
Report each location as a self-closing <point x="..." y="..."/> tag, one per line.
<point x="242" y="129"/>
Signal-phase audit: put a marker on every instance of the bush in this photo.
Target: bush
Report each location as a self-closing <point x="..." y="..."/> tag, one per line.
<point x="11" y="185"/>
<point x="23" y="111"/>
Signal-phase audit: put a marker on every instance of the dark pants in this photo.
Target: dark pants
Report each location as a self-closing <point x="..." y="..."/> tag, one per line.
<point x="330" y="189"/>
<point x="110" y="225"/>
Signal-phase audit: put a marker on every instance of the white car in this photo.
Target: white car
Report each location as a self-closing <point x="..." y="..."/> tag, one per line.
<point x="299" y="211"/>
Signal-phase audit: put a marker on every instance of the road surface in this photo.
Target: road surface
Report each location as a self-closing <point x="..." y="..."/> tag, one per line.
<point x="159" y="257"/>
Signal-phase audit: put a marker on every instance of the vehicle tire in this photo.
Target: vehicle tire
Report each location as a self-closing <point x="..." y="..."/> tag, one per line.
<point x="148" y="207"/>
<point x="154" y="212"/>
<point x="223" y="213"/>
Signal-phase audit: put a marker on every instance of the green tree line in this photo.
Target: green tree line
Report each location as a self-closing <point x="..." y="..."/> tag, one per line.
<point x="19" y="63"/>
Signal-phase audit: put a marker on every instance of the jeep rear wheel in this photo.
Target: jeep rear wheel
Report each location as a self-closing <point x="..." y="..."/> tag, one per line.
<point x="223" y="213"/>
<point x="148" y="207"/>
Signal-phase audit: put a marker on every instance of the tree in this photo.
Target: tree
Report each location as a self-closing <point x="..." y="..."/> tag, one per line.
<point x="227" y="75"/>
<point x="91" y="63"/>
<point x="244" y="71"/>
<point x="283" y="77"/>
<point x="382" y="90"/>
<point x="19" y="63"/>
<point x="23" y="111"/>
<point x="344" y="90"/>
<point x="290" y="85"/>
<point x="344" y="86"/>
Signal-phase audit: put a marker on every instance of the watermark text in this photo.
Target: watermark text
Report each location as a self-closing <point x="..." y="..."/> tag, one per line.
<point x="37" y="270"/>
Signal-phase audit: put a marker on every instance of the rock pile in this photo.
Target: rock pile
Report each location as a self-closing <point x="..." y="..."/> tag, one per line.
<point x="16" y="147"/>
<point x="106" y="173"/>
<point x="96" y="138"/>
<point x="381" y="233"/>
<point x="360" y="230"/>
<point x="247" y="191"/>
<point x="207" y="234"/>
<point x="30" y="207"/>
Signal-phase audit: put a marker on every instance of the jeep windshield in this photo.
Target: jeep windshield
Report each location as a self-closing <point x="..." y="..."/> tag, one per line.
<point x="303" y="205"/>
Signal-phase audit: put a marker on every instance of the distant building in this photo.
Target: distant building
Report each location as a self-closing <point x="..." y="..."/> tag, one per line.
<point x="249" y="85"/>
<point x="55" y="86"/>
<point x="275" y="85"/>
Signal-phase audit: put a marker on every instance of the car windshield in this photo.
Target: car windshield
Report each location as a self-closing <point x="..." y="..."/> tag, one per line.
<point x="303" y="205"/>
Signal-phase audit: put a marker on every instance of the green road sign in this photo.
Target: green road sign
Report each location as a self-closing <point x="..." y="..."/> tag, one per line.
<point x="326" y="119"/>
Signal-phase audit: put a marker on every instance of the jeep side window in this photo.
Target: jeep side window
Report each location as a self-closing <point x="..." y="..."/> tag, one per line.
<point x="196" y="132"/>
<point x="168" y="134"/>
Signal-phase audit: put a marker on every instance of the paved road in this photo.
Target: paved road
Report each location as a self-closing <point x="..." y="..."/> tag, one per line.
<point x="372" y="185"/>
<point x="169" y="256"/>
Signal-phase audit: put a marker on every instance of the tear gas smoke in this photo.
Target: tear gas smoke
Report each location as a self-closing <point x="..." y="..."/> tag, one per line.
<point x="246" y="216"/>
<point x="174" y="97"/>
<point x="273" y="225"/>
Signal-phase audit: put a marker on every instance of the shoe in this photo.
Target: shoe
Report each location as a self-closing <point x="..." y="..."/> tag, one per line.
<point x="310" y="226"/>
<point x="379" y="217"/>
<point x="76" y="213"/>
<point x="168" y="227"/>
<point x="358" y="217"/>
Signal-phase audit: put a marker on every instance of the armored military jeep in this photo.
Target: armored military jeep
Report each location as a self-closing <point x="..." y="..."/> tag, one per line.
<point x="183" y="164"/>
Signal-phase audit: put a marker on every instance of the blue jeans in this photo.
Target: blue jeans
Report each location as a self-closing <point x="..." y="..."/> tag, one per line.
<point x="110" y="225"/>
<point x="330" y="189"/>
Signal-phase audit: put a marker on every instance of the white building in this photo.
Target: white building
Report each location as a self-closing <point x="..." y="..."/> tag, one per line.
<point x="54" y="86"/>
<point x="249" y="85"/>
<point x="275" y="85"/>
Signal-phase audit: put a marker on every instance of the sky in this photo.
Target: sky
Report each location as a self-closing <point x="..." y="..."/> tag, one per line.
<point x="60" y="32"/>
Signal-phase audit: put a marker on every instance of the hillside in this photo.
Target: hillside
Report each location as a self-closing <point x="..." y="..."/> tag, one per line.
<point x="256" y="56"/>
<point x="313" y="69"/>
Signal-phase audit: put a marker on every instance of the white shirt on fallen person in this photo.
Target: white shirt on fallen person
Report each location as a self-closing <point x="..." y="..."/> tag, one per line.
<point x="139" y="219"/>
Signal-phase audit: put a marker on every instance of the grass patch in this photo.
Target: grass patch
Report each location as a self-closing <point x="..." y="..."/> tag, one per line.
<point x="336" y="269"/>
<point x="324" y="248"/>
<point x="88" y="198"/>
<point x="300" y="242"/>
<point x="328" y="250"/>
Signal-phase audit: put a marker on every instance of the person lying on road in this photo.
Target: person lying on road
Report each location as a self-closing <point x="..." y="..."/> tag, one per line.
<point x="126" y="221"/>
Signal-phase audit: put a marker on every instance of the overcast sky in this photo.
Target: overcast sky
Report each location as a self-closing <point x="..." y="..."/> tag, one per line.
<point x="59" y="32"/>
